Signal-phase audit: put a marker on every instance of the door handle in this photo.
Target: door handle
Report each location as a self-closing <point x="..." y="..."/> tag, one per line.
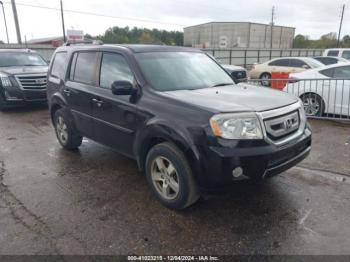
<point x="99" y="103"/>
<point x="66" y="91"/>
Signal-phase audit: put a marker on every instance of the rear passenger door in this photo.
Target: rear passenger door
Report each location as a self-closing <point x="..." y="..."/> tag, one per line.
<point x="114" y="115"/>
<point x="79" y="90"/>
<point x="279" y="65"/>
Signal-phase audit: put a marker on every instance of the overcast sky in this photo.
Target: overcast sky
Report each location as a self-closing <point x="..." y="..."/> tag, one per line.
<point x="310" y="17"/>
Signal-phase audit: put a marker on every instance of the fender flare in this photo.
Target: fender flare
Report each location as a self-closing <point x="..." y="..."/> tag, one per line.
<point x="158" y="131"/>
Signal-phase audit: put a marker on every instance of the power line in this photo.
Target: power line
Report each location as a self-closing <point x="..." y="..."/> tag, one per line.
<point x="96" y="14"/>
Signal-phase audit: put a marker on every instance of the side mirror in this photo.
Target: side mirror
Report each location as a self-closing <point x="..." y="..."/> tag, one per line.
<point x="123" y="87"/>
<point x="306" y="67"/>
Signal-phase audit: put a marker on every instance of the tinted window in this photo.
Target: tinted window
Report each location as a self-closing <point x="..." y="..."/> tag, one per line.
<point x="85" y="65"/>
<point x="333" y="53"/>
<point x="342" y="72"/>
<point x="328" y="72"/>
<point x="346" y="54"/>
<point x="59" y="65"/>
<point x="21" y="59"/>
<point x="298" y="63"/>
<point x="167" y="71"/>
<point x="113" y="68"/>
<point x="280" y="62"/>
<point x="327" y="60"/>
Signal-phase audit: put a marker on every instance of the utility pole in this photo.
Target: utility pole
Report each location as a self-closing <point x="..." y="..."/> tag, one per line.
<point x="3" y="11"/>
<point x="340" y="26"/>
<point x="63" y="29"/>
<point x="14" y="9"/>
<point x="272" y="24"/>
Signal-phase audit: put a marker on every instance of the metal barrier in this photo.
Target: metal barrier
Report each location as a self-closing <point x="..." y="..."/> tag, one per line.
<point x="248" y="56"/>
<point x="322" y="98"/>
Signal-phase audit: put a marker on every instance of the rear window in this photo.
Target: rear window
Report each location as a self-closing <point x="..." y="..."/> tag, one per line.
<point x="333" y="53"/>
<point x="84" y="70"/>
<point x="59" y="65"/>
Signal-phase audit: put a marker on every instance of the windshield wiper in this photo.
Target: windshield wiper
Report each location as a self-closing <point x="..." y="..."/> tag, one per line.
<point x="222" y="84"/>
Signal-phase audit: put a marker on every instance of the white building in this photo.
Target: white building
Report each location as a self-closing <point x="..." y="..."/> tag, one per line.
<point x="238" y="34"/>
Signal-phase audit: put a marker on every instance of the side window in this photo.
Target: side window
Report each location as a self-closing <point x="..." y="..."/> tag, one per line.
<point x="333" y="53"/>
<point x="59" y="65"/>
<point x="280" y="62"/>
<point x="346" y="54"/>
<point x="298" y="63"/>
<point x="342" y="72"/>
<point x="114" y="68"/>
<point x="328" y="72"/>
<point x="85" y="65"/>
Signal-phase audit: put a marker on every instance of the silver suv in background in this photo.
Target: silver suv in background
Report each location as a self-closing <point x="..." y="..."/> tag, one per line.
<point x="22" y="77"/>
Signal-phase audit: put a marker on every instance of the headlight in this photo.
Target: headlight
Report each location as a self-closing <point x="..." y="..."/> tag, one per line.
<point x="236" y="126"/>
<point x="5" y="80"/>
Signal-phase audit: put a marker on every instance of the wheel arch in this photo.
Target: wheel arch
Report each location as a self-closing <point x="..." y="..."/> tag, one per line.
<point x="158" y="133"/>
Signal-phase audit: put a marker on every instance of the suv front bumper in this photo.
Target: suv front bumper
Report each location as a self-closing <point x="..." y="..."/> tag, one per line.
<point x="256" y="160"/>
<point x="17" y="96"/>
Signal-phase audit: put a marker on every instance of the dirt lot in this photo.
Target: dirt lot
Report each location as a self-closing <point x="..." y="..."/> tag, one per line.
<point x="95" y="201"/>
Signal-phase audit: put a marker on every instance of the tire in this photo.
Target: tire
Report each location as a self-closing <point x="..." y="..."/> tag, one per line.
<point x="66" y="133"/>
<point x="168" y="154"/>
<point x="3" y="106"/>
<point x="265" y="77"/>
<point x="313" y="104"/>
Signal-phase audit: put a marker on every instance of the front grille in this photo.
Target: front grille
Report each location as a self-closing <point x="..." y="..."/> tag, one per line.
<point x="282" y="126"/>
<point x="239" y="74"/>
<point x="32" y="81"/>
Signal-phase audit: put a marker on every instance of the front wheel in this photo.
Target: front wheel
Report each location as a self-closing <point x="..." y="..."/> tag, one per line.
<point x="170" y="176"/>
<point x="65" y="131"/>
<point x="313" y="104"/>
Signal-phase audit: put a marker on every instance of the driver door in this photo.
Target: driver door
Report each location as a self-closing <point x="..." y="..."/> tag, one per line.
<point x="114" y="115"/>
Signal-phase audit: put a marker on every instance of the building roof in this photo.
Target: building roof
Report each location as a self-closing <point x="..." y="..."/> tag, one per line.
<point x="45" y="39"/>
<point x="231" y="22"/>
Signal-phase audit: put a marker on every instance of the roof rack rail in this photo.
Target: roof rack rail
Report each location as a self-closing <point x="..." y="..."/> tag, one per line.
<point x="84" y="42"/>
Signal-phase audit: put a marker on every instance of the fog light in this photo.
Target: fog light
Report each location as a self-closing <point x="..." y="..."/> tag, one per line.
<point x="237" y="172"/>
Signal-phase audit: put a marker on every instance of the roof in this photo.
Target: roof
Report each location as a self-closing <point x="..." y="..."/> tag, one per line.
<point x="135" y="48"/>
<point x="231" y="22"/>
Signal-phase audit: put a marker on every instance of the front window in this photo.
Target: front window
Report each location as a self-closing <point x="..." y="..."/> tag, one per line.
<point x="169" y="71"/>
<point x="8" y="59"/>
<point x="346" y="54"/>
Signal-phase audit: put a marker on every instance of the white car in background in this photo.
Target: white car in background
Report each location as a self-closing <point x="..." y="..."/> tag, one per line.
<point x="282" y="65"/>
<point x="324" y="90"/>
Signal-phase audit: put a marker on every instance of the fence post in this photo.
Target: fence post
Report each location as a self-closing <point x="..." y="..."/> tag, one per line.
<point x="245" y="58"/>
<point x="258" y="56"/>
<point x="291" y="52"/>
<point x="213" y="52"/>
<point x="230" y="56"/>
<point x="270" y="54"/>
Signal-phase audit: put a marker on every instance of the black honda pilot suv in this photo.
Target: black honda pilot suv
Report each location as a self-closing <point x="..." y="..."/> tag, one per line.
<point x="22" y="77"/>
<point x="178" y="114"/>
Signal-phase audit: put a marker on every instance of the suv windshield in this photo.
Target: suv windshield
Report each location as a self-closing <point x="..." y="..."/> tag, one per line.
<point x="21" y="59"/>
<point x="169" y="71"/>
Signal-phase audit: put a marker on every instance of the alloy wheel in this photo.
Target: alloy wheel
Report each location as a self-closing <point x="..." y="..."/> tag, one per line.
<point x="311" y="106"/>
<point x="61" y="129"/>
<point x="165" y="178"/>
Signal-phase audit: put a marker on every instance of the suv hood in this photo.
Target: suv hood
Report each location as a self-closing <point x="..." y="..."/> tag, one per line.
<point x="17" y="70"/>
<point x="235" y="98"/>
